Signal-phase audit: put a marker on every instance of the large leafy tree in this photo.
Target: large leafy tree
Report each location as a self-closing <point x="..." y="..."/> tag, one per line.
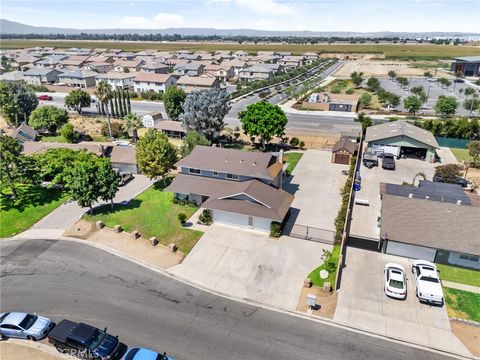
<point x="156" y="156"/>
<point x="203" y="111"/>
<point x="48" y="117"/>
<point x="132" y="123"/>
<point x="373" y="84"/>
<point x="57" y="164"/>
<point x="77" y="100"/>
<point x="173" y="100"/>
<point x="82" y="183"/>
<point x="365" y="99"/>
<point x="14" y="166"/>
<point x="356" y="77"/>
<point x="263" y="119"/>
<point x="17" y="101"/>
<point x="472" y="104"/>
<point x="191" y="140"/>
<point x="104" y="95"/>
<point x="107" y="180"/>
<point x="474" y="150"/>
<point x="412" y="104"/>
<point x="446" y="106"/>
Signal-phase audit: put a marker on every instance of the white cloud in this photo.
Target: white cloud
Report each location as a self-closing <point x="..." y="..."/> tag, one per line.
<point x="270" y="7"/>
<point x="218" y="2"/>
<point x="159" y="21"/>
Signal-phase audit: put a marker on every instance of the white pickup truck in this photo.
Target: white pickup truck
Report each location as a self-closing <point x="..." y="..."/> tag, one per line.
<point x="427" y="282"/>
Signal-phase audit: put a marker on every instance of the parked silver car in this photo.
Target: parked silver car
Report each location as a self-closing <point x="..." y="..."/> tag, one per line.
<point x="24" y="326"/>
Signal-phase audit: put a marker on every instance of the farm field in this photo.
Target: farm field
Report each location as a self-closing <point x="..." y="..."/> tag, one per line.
<point x="394" y="51"/>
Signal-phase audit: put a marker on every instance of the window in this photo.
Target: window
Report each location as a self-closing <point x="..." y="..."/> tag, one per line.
<point x="469" y="257"/>
<point x="215" y="173"/>
<point x="194" y="171"/>
<point x="232" y="176"/>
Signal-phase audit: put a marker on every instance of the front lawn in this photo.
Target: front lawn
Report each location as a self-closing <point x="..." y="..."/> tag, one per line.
<point x="32" y="204"/>
<point x="292" y="158"/>
<point x="462" y="304"/>
<point x="56" y="138"/>
<point x="152" y="213"/>
<point x="459" y="275"/>
<point x="461" y="154"/>
<point x="314" y="276"/>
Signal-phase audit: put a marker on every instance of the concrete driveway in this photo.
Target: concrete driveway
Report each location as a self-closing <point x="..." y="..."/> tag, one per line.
<point x="248" y="264"/>
<point x="316" y="184"/>
<point x="363" y="304"/>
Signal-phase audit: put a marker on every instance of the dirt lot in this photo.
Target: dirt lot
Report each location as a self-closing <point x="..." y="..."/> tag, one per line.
<point x="469" y="335"/>
<point x="326" y="302"/>
<point x="89" y="125"/>
<point x="13" y="350"/>
<point x="381" y="68"/>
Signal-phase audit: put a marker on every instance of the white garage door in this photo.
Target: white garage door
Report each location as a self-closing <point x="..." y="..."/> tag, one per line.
<point x="230" y="218"/>
<point x="410" y="251"/>
<point x="389" y="149"/>
<point x="261" y="224"/>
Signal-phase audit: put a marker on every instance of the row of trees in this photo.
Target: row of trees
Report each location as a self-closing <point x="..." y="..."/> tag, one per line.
<point x="460" y="129"/>
<point x="118" y="104"/>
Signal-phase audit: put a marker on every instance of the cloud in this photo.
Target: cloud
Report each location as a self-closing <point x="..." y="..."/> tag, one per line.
<point x="218" y="2"/>
<point x="270" y="7"/>
<point x="159" y="21"/>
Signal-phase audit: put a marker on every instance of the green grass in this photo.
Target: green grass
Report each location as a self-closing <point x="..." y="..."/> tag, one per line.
<point x="459" y="275"/>
<point x="461" y="154"/>
<point x="32" y="204"/>
<point x="462" y="304"/>
<point x="292" y="158"/>
<point x="394" y="51"/>
<point x="58" y="138"/>
<point x="314" y="276"/>
<point x="152" y="213"/>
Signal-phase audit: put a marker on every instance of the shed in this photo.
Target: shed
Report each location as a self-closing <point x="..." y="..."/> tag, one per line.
<point x="149" y="120"/>
<point x="171" y="128"/>
<point x="343" y="150"/>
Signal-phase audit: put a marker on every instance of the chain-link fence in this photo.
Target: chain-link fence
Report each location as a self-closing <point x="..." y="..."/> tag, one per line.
<point x="309" y="233"/>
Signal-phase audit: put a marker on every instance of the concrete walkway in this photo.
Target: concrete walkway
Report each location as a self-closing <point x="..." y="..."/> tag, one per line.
<point x="463" y="287"/>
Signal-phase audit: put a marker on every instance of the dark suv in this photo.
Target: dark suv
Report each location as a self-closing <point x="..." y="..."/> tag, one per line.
<point x="388" y="161"/>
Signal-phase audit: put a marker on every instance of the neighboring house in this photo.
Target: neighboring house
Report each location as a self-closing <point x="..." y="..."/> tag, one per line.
<point x="192" y="69"/>
<point x="240" y="188"/>
<point x="196" y="83"/>
<point x="149" y="120"/>
<point x="156" y="68"/>
<point x="128" y="65"/>
<point x="291" y="62"/>
<point x="100" y="67"/>
<point x="256" y="72"/>
<point x="435" y="230"/>
<point x="310" y="57"/>
<point x="240" y="54"/>
<point x="171" y="128"/>
<point x="13" y="76"/>
<point x="23" y="133"/>
<point x="117" y="80"/>
<point x="221" y="72"/>
<point x="402" y="138"/>
<point x="38" y="76"/>
<point x="50" y="61"/>
<point x="468" y="65"/>
<point x="190" y="57"/>
<point x="145" y="81"/>
<point x="343" y="150"/>
<point x="78" y="78"/>
<point x="72" y="62"/>
<point x="124" y="55"/>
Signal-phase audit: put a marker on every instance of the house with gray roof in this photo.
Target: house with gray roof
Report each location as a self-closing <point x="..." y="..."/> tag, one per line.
<point x="467" y="65"/>
<point x="239" y="188"/>
<point x="38" y="76"/>
<point x="256" y="72"/>
<point x="401" y="138"/>
<point x="191" y="69"/>
<point x="78" y="78"/>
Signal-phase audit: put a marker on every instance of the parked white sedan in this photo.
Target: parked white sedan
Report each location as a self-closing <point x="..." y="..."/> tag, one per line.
<point x="395" y="281"/>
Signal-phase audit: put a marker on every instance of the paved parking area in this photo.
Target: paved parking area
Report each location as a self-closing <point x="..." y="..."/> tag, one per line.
<point x="316" y="184"/>
<point x="433" y="90"/>
<point x="248" y="264"/>
<point x="363" y="304"/>
<point x="364" y="218"/>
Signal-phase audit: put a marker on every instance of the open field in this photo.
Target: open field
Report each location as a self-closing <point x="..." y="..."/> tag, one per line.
<point x="381" y="68"/>
<point x="394" y="51"/>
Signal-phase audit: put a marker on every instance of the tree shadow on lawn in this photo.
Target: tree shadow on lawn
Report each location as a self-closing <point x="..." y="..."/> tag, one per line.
<point x="106" y="209"/>
<point x="29" y="196"/>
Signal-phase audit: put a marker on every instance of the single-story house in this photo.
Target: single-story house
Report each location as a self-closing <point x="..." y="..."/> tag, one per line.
<point x="78" y="78"/>
<point x="343" y="150"/>
<point x="38" y="76"/>
<point x="467" y="65"/>
<point x="401" y="138"/>
<point x="145" y="81"/>
<point x="171" y="128"/>
<point x="437" y="231"/>
<point x="195" y="83"/>
<point x="117" y="80"/>
<point x="150" y="119"/>
<point x="240" y="188"/>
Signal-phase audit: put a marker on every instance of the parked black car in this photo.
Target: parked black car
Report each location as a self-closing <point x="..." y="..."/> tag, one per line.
<point x="84" y="341"/>
<point x="460" y="180"/>
<point x="388" y="161"/>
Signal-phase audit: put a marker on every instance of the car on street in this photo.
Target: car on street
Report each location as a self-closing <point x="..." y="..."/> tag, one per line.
<point x="125" y="177"/>
<point x="145" y="354"/>
<point x="395" y="281"/>
<point x="82" y="340"/>
<point x="24" y="326"/>
<point x="45" y="98"/>
<point x="427" y="283"/>
<point x="388" y="161"/>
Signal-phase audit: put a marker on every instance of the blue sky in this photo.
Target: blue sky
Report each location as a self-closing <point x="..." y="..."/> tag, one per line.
<point x="315" y="15"/>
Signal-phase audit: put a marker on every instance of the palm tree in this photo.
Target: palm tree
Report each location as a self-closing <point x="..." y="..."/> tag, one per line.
<point x="104" y="95"/>
<point x="133" y="122"/>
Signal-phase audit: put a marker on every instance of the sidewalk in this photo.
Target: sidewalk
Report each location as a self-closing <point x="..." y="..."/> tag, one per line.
<point x="463" y="287"/>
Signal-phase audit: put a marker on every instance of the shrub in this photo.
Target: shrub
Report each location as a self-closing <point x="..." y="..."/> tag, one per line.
<point x="133" y="94"/>
<point x="205" y="217"/>
<point x="330" y="266"/>
<point x="302" y="144"/>
<point x="69" y="133"/>
<point x="294" y="141"/>
<point x="40" y="88"/>
<point x="174" y="200"/>
<point x="335" y="90"/>
<point x="350" y="91"/>
<point x="150" y="95"/>
<point x="117" y="130"/>
<point x="182" y="217"/>
<point x="275" y="229"/>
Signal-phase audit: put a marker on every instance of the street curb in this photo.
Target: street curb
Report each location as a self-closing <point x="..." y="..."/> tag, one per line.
<point x="245" y="300"/>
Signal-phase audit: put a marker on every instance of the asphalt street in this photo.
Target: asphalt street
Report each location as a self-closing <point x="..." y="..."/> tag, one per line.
<point x="62" y="279"/>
